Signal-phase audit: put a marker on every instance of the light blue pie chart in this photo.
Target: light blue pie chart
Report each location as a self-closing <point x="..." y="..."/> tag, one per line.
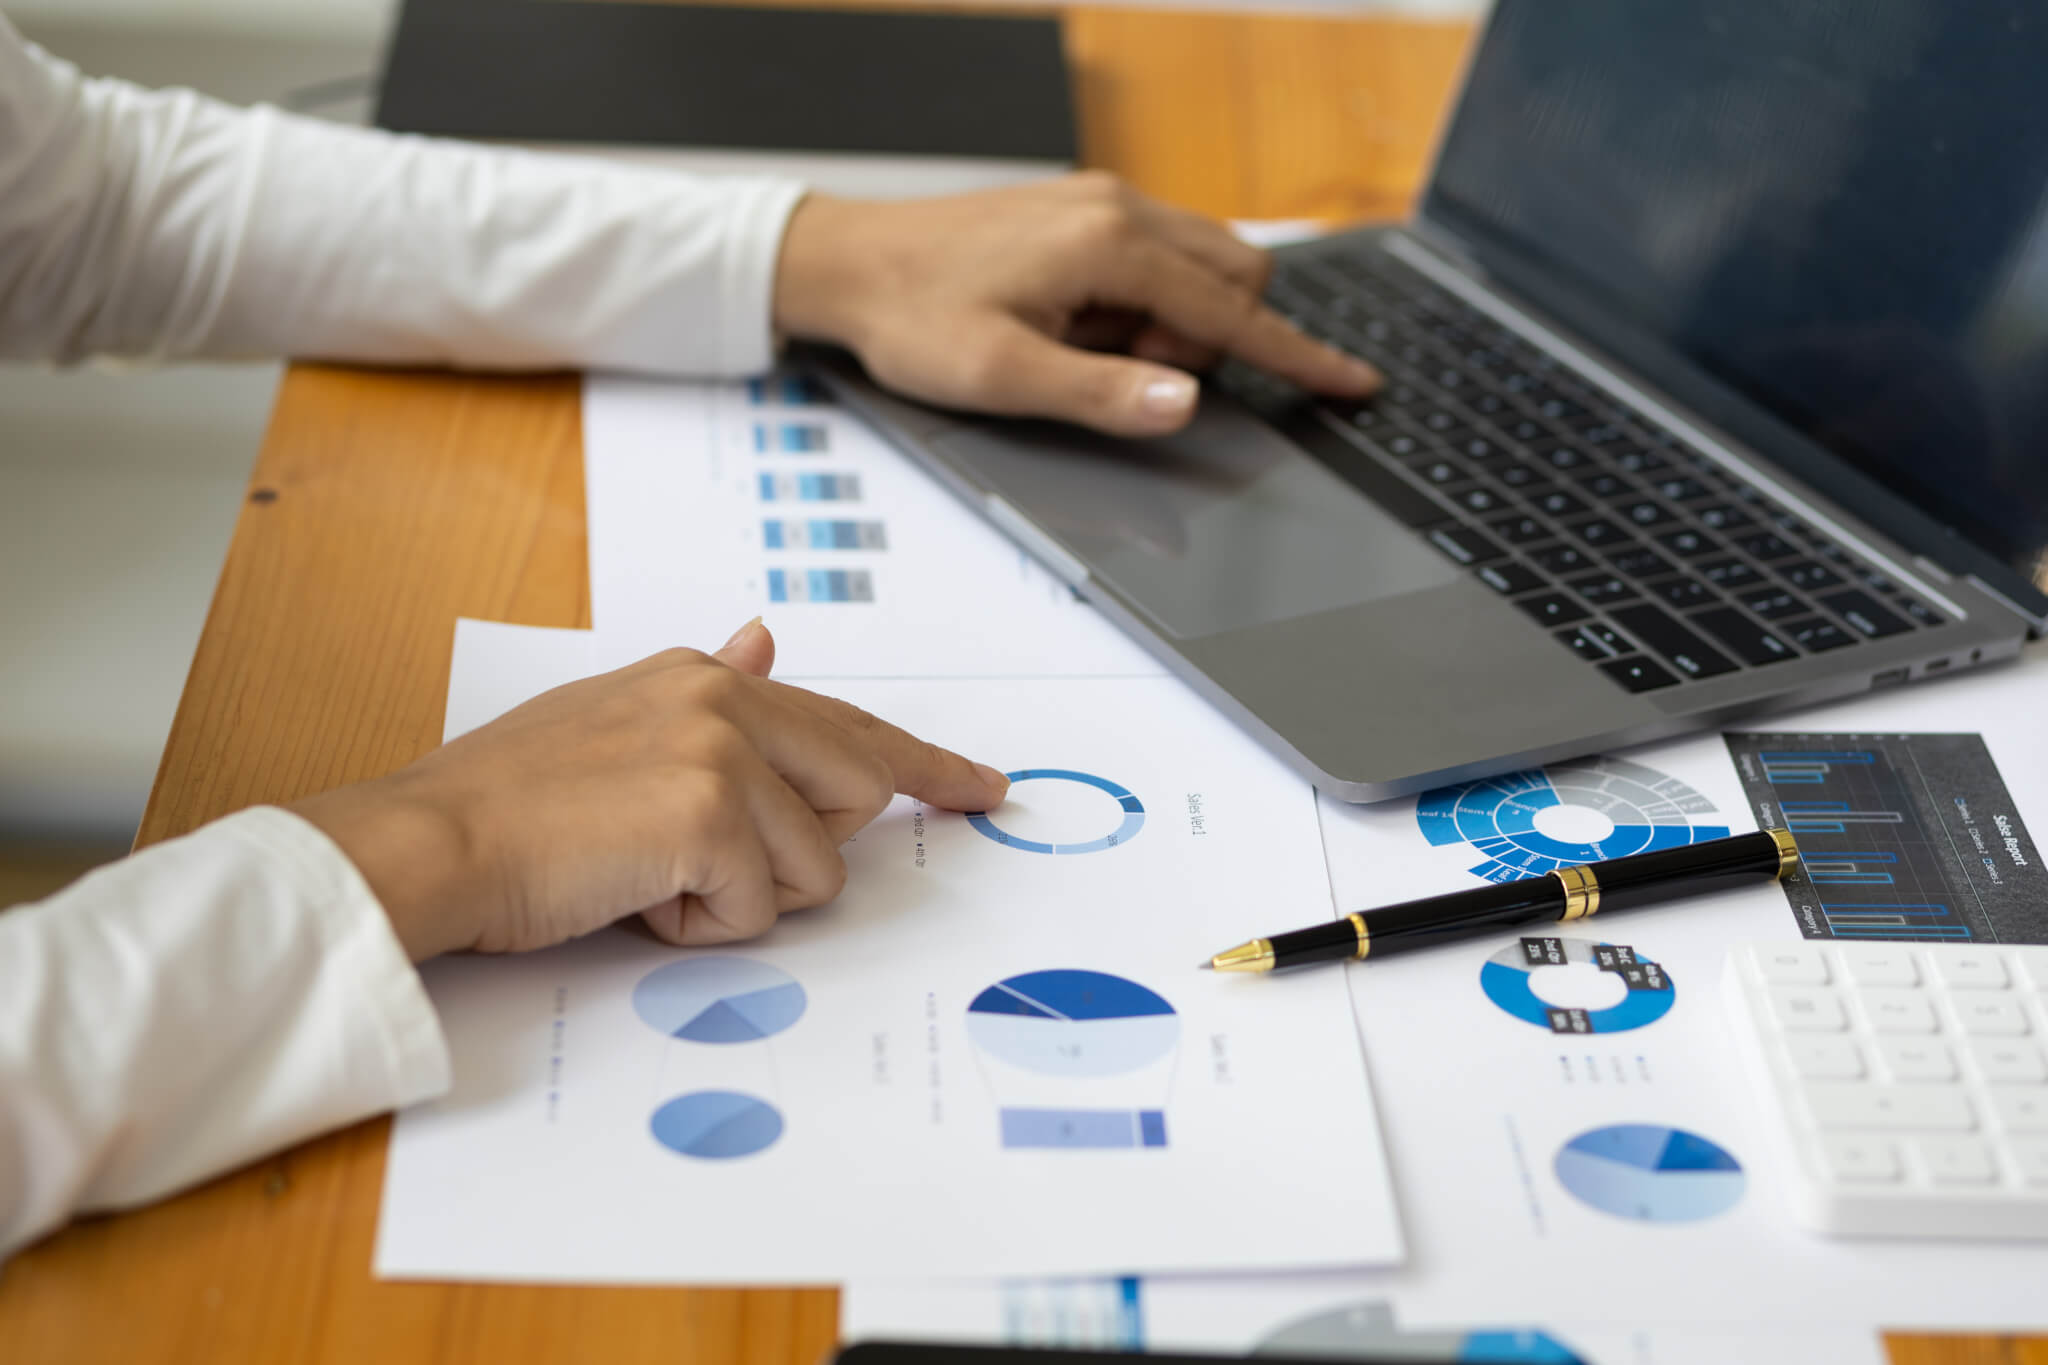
<point x="1650" y="1173"/>
<point x="719" y="999"/>
<point x="716" y="1125"/>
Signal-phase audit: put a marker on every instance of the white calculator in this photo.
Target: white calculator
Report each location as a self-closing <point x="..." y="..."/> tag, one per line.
<point x="1909" y="1081"/>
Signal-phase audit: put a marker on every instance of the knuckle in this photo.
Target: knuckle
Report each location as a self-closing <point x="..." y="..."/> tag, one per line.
<point x="707" y="802"/>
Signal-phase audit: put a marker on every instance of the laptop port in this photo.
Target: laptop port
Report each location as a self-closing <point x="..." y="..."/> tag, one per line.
<point x="1891" y="677"/>
<point x="1935" y="666"/>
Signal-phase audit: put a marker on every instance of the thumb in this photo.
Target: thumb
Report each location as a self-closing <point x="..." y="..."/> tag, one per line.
<point x="1036" y="376"/>
<point x="751" y="649"/>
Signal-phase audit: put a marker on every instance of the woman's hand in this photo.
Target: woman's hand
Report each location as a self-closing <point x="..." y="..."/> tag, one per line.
<point x="688" y="788"/>
<point x="1006" y="301"/>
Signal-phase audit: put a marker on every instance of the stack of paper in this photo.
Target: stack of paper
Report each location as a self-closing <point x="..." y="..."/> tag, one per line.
<point x="989" y="1086"/>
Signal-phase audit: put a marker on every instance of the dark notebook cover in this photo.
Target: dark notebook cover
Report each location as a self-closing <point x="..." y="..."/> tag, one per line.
<point x="718" y="76"/>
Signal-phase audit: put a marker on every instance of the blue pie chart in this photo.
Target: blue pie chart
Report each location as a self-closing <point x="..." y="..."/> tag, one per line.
<point x="716" y="1125"/>
<point x="1068" y="1022"/>
<point x="719" y="999"/>
<point x="1651" y="1174"/>
<point x="1127" y="828"/>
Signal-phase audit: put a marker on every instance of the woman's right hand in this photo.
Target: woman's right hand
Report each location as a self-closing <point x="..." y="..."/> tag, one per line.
<point x="688" y="788"/>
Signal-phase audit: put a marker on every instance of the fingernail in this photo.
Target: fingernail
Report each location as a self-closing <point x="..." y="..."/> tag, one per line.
<point x="1168" y="395"/>
<point x="999" y="781"/>
<point x="736" y="635"/>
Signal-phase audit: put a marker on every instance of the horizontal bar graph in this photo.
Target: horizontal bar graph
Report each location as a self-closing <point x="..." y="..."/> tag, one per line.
<point x="820" y="585"/>
<point x="823" y="535"/>
<point x="809" y="487"/>
<point x="791" y="438"/>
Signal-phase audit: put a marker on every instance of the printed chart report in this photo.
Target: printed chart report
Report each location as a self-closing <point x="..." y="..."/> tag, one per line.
<point x="712" y="503"/>
<point x="1901" y="836"/>
<point x="994" y="1034"/>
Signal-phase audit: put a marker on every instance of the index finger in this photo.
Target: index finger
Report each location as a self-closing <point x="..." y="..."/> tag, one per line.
<point x="1220" y="312"/>
<point x="934" y="775"/>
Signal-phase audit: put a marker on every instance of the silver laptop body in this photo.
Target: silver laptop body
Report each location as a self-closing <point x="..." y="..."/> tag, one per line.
<point x="1602" y="297"/>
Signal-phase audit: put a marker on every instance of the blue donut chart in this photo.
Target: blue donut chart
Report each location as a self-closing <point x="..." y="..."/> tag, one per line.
<point x="1505" y="979"/>
<point x="1133" y="809"/>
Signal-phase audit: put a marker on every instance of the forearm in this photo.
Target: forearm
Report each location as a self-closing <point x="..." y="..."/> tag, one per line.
<point x="164" y="224"/>
<point x="191" y="1008"/>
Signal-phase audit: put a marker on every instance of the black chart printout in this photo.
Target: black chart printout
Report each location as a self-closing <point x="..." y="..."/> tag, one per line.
<point x="1900" y="836"/>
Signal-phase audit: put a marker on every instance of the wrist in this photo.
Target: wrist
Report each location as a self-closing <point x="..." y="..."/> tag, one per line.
<point x="415" y="857"/>
<point x="823" y="276"/>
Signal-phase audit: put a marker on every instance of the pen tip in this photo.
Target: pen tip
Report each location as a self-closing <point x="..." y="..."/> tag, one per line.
<point x="1207" y="965"/>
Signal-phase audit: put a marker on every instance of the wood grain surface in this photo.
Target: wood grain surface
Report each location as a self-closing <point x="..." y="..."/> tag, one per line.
<point x="383" y="506"/>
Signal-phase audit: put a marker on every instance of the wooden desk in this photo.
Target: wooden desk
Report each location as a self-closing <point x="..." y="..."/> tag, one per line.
<point x="382" y="507"/>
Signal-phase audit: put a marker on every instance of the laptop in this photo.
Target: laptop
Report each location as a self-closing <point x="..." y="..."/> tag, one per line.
<point x="1717" y="384"/>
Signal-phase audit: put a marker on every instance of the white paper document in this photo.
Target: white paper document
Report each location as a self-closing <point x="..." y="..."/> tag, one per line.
<point x="1348" y="1318"/>
<point x="714" y="502"/>
<point x="1496" y="1120"/>
<point x="992" y="1055"/>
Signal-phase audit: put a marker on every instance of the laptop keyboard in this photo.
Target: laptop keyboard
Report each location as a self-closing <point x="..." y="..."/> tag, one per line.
<point x="1641" y="555"/>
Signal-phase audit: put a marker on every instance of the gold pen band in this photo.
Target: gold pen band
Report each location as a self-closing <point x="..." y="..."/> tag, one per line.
<point x="1788" y="852"/>
<point x="1364" y="932"/>
<point x="1581" y="892"/>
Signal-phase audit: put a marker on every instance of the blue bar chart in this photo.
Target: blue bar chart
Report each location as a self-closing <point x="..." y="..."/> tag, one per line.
<point x="791" y="438"/>
<point x="809" y="487"/>
<point x="820" y="585"/>
<point x="823" y="534"/>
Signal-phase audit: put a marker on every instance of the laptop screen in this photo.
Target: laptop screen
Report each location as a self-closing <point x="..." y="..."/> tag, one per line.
<point x="1839" y="210"/>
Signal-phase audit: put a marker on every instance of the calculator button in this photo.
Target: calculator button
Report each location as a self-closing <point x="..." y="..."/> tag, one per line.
<point x="1895" y="1011"/>
<point x="1792" y="966"/>
<point x="1957" y="1161"/>
<point x="2033" y="964"/>
<point x="1991" y="1016"/>
<point x="2030" y="1155"/>
<point x="1821" y="1058"/>
<point x="2021" y="1108"/>
<point x="2003" y="1061"/>
<point x="1837" y="1104"/>
<point x="1917" y="1059"/>
<point x="1862" y="1160"/>
<point x="1805" y="1010"/>
<point x="1971" y="969"/>
<point x="1872" y="965"/>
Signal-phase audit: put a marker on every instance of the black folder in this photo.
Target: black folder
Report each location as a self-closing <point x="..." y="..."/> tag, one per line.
<point x="715" y="76"/>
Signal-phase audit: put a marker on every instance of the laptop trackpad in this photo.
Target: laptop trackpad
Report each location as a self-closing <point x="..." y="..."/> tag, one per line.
<point x="1222" y="525"/>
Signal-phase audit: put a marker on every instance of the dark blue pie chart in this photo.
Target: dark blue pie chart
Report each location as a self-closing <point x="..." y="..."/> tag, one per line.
<point x="1650" y="1173"/>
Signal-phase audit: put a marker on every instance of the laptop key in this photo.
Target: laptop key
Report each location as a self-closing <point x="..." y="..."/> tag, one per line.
<point x="1728" y="573"/>
<point x="1639" y="674"/>
<point x="1661" y="633"/>
<point x="1443" y="472"/>
<point x="1647" y="513"/>
<point x="1724" y="518"/>
<point x="1509" y="578"/>
<point x="1765" y="545"/>
<point x="1478" y="501"/>
<point x="1558" y="503"/>
<point x="1598" y="533"/>
<point x="1682" y="488"/>
<point x="1639" y="561"/>
<point x="1596" y="640"/>
<point x="1602" y="588"/>
<point x="1752" y="643"/>
<point x="1772" y="603"/>
<point x="1520" y="530"/>
<point x="1863" y="613"/>
<point x="1562" y="559"/>
<point x="1691" y="544"/>
<point x="1602" y="484"/>
<point x="1552" y="609"/>
<point x="1816" y="636"/>
<point x="1685" y="593"/>
<point x="1523" y="476"/>
<point x="1808" y="576"/>
<point x="1465" y="545"/>
<point x="1917" y="612"/>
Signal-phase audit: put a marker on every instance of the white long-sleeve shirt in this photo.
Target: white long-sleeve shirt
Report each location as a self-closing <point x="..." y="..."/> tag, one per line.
<point x="234" y="991"/>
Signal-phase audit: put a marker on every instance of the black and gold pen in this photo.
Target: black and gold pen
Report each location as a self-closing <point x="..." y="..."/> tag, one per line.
<point x="1569" y="893"/>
